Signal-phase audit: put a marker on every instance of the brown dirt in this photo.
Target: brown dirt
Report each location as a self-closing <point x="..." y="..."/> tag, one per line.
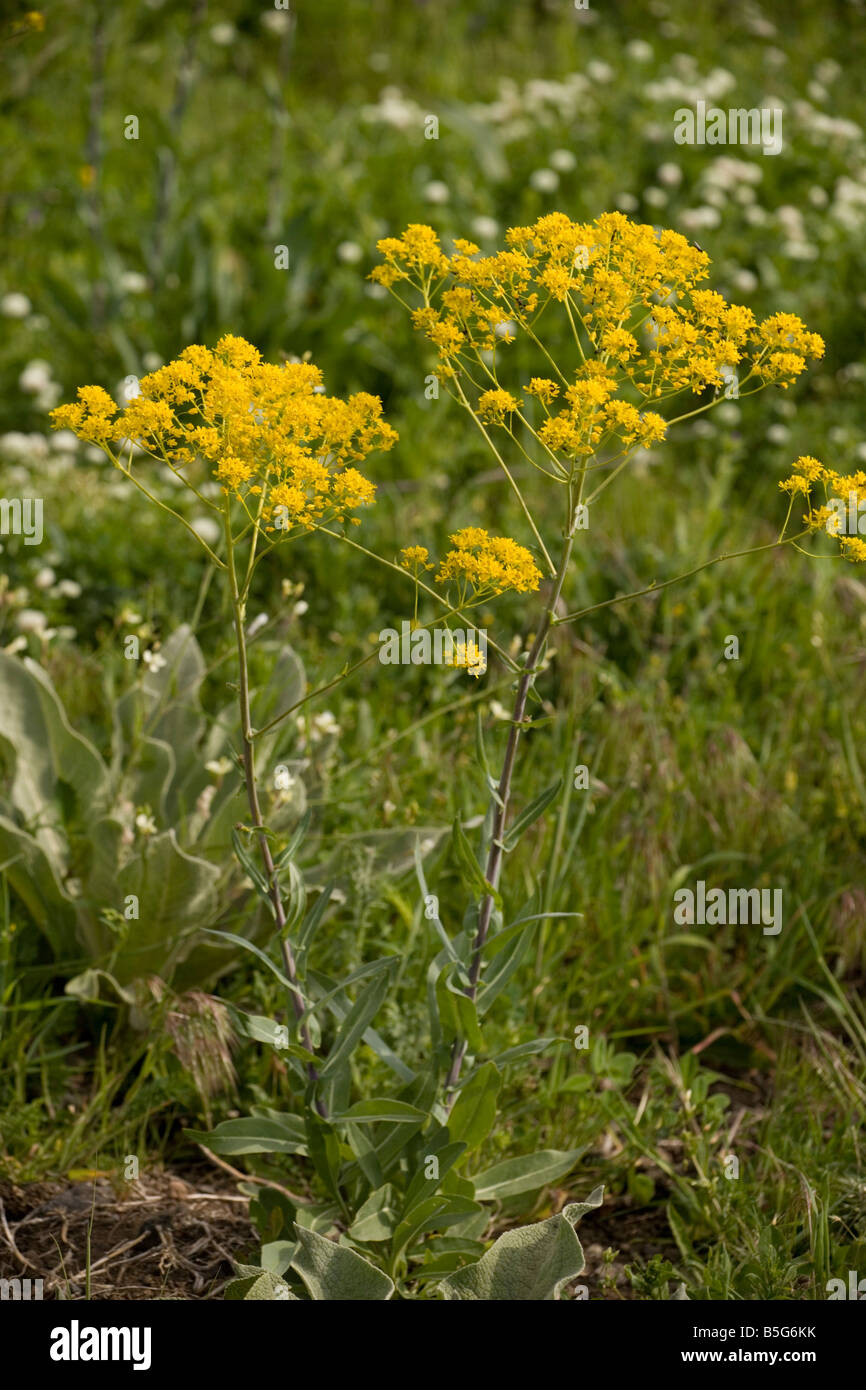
<point x="162" y="1236"/>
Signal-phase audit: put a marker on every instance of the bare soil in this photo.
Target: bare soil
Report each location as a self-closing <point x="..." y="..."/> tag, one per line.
<point x="162" y="1236"/>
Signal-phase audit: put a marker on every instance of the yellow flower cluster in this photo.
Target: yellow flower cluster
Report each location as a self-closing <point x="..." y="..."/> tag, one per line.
<point x="488" y="565"/>
<point x="590" y="419"/>
<point x="639" y="318"/>
<point x="467" y="656"/>
<point x="494" y="406"/>
<point x="415" y="558"/>
<point x="268" y="433"/>
<point x="844" y="508"/>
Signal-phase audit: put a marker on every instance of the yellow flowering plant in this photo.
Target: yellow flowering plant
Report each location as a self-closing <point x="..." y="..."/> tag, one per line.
<point x="283" y="455"/>
<point x="642" y="332"/>
<point x="285" y="461"/>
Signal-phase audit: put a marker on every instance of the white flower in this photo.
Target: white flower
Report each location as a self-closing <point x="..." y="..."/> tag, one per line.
<point x="31" y="620"/>
<point x="67" y="588"/>
<point x="36" y="377"/>
<point x="300" y="608"/>
<point x="349" y="252"/>
<point x="437" y="192"/>
<point x="778" y="434"/>
<point x="669" y="174"/>
<point x="45" y="578"/>
<point x="151" y="361"/>
<point x="284" y="781"/>
<point x="640" y="51"/>
<point x="218" y="767"/>
<point x="144" y="824"/>
<point x="598" y="71"/>
<point x="15" y="444"/>
<point x="746" y="281"/>
<point x="324" y="724"/>
<point x="507" y="329"/>
<point x="544" y="180"/>
<point x="694" y="219"/>
<point x="563" y="160"/>
<point x="626" y="202"/>
<point x="276" y="20"/>
<point x="63" y="441"/>
<point x="799" y="250"/>
<point x="222" y="34"/>
<point x="153" y="661"/>
<point x="15" y="305"/>
<point x="655" y="197"/>
<point x="133" y="282"/>
<point x="485" y="228"/>
<point x="394" y="109"/>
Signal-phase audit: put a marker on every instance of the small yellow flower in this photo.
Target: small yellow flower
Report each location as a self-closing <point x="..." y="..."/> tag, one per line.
<point x="467" y="656"/>
<point x="488" y="564"/>
<point x="415" y="558"/>
<point x="493" y="406"/>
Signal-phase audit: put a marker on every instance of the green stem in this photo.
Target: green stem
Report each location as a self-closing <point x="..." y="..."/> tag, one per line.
<point x="666" y="583"/>
<point x="493" y="868"/>
<point x="239" y="612"/>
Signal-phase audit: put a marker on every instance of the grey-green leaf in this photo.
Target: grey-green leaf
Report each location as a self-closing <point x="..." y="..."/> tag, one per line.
<point x="259" y="1284"/>
<point x="358" y="1019"/>
<point x="531" y="814"/>
<point x="525" y="1174"/>
<point x="475" y="1108"/>
<point x="533" y="1262"/>
<point x="336" y="1273"/>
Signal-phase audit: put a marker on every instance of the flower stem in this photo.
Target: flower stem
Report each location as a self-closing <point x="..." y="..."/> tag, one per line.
<point x="238" y="598"/>
<point x="493" y="867"/>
